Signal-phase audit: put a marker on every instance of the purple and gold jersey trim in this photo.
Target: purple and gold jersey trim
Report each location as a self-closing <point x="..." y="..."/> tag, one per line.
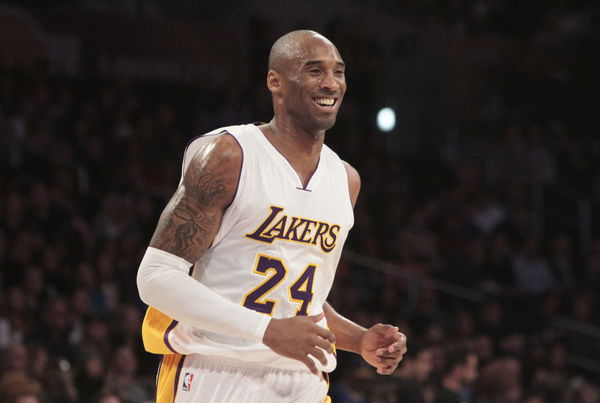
<point x="155" y="332"/>
<point x="328" y="381"/>
<point x="168" y="378"/>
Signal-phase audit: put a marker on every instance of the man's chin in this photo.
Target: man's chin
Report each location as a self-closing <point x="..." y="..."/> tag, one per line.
<point x="328" y="123"/>
<point x="319" y="125"/>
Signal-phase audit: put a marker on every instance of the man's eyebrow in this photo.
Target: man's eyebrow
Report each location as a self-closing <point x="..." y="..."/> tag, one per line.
<point x="315" y="62"/>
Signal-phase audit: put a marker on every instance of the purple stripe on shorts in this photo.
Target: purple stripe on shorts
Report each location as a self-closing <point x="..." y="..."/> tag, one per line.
<point x="166" y="336"/>
<point x="177" y="374"/>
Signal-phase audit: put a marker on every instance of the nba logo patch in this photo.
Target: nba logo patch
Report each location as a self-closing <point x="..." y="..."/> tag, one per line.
<point x="187" y="381"/>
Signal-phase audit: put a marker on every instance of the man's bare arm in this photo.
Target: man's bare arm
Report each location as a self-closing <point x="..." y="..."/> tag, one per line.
<point x="382" y="346"/>
<point x="186" y="229"/>
<point x="189" y="223"/>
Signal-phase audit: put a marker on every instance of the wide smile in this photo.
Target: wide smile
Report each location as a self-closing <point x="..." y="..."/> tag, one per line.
<point x="325" y="102"/>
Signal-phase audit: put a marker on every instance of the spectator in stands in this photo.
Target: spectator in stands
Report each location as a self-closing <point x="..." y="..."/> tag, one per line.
<point x="532" y="273"/>
<point x="122" y="377"/>
<point x="459" y="372"/>
<point x="90" y="378"/>
<point x="499" y="382"/>
<point x="562" y="260"/>
<point x="108" y="398"/>
<point x="15" y="358"/>
<point x="582" y="391"/>
<point x="414" y="374"/>
<point x="15" y="320"/>
<point x="16" y="387"/>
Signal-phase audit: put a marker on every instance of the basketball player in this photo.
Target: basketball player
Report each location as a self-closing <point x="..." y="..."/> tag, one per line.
<point x="244" y="255"/>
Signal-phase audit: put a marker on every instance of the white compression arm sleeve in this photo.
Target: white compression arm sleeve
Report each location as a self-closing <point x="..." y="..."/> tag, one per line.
<point x="163" y="282"/>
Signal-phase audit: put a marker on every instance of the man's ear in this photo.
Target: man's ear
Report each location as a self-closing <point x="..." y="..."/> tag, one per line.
<point x="274" y="82"/>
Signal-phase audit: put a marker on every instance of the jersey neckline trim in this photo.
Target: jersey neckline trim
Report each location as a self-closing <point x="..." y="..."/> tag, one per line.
<point x="299" y="185"/>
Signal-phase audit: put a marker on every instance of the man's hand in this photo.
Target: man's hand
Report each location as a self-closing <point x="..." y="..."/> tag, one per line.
<point x="298" y="337"/>
<point x="383" y="346"/>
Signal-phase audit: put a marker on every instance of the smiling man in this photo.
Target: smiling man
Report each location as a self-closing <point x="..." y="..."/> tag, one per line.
<point x="238" y="271"/>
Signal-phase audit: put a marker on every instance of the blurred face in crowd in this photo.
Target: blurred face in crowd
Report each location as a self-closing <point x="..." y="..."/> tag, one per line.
<point x="57" y="315"/>
<point x="16" y="357"/>
<point x="424" y="364"/>
<point x="469" y="369"/>
<point x="130" y="321"/>
<point x="110" y="399"/>
<point x="307" y="79"/>
<point x="29" y="398"/>
<point x="125" y="361"/>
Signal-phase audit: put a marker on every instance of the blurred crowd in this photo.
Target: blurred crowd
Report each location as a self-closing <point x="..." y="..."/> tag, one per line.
<point x="87" y="164"/>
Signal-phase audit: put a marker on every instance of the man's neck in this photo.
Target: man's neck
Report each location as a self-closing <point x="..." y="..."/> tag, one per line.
<point x="295" y="139"/>
<point x="300" y="148"/>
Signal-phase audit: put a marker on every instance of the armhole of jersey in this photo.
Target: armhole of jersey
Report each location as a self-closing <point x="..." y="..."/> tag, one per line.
<point x="348" y="188"/>
<point x="184" y="160"/>
<point x="342" y="164"/>
<point x="237" y="186"/>
<point x="184" y="163"/>
<point x="238" y="190"/>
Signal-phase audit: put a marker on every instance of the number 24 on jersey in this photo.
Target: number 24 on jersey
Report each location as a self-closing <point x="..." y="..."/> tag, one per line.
<point x="275" y="271"/>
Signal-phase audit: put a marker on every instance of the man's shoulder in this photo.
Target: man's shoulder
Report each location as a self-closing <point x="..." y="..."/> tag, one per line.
<point x="218" y="132"/>
<point x="219" y="143"/>
<point x="216" y="144"/>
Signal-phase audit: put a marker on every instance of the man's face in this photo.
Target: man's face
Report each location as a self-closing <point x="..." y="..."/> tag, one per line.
<point x="314" y="84"/>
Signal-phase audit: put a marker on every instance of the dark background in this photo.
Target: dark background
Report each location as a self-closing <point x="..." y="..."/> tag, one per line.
<point x="477" y="221"/>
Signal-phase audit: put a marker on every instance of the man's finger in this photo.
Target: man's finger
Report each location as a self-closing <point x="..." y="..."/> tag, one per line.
<point x="310" y="364"/>
<point x="324" y="344"/>
<point x="387" y="369"/>
<point x="395" y="355"/>
<point x="326" y="334"/>
<point x="390" y="329"/>
<point x="319" y="354"/>
<point x="393" y="348"/>
<point x="387" y="360"/>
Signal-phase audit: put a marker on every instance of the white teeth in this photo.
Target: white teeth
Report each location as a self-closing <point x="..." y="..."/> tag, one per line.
<point x="325" y="101"/>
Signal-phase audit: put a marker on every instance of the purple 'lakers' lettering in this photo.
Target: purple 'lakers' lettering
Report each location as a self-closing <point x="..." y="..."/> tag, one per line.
<point x="277" y="230"/>
<point x="326" y="242"/>
<point x="307" y="232"/>
<point x="321" y="231"/>
<point x="256" y="234"/>
<point x="296" y="222"/>
<point x="278" y="225"/>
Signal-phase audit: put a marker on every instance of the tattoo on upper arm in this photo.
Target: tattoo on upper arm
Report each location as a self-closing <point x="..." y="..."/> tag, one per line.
<point x="190" y="221"/>
<point x="205" y="188"/>
<point x="181" y="229"/>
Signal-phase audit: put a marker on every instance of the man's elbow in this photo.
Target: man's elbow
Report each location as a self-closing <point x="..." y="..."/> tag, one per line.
<point x="143" y="285"/>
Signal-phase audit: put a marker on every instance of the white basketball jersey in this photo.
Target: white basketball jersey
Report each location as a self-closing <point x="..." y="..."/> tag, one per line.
<point x="278" y="246"/>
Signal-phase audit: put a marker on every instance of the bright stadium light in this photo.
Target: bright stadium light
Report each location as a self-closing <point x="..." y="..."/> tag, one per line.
<point x="386" y="119"/>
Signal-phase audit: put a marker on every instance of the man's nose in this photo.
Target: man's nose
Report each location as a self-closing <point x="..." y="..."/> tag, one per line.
<point x="330" y="82"/>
